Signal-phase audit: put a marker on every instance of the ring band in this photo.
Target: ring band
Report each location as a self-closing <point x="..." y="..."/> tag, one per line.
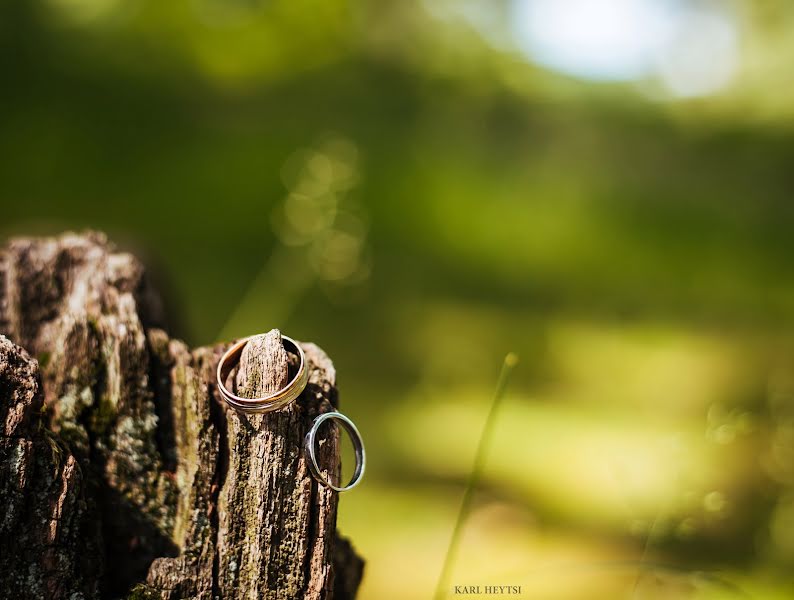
<point x="358" y="446"/>
<point x="272" y="401"/>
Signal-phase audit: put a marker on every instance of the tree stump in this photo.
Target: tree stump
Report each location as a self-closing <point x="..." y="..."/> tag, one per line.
<point x="122" y="473"/>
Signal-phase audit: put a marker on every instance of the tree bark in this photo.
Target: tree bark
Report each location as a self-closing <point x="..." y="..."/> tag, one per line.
<point x="122" y="474"/>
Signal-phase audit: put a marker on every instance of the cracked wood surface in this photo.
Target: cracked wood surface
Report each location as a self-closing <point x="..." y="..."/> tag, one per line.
<point x="121" y="472"/>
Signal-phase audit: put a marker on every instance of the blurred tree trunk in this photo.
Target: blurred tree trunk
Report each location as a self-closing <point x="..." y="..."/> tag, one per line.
<point x="122" y="474"/>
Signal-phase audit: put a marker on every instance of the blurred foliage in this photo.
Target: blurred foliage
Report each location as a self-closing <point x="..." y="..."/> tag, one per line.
<point x="380" y="178"/>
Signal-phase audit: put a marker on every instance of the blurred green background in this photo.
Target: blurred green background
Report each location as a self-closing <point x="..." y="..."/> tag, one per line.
<point x="602" y="186"/>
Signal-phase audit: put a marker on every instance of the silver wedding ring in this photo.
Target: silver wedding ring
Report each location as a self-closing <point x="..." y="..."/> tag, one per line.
<point x="268" y="403"/>
<point x="358" y="446"/>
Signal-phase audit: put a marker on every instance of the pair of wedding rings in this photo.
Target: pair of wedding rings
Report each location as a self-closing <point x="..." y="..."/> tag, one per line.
<point x="285" y="396"/>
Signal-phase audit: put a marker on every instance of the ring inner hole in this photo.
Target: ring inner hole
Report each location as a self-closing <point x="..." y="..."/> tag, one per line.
<point x="328" y="430"/>
<point x="293" y="364"/>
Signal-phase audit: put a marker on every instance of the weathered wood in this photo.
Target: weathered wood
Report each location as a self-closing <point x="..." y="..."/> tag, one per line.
<point x="169" y="494"/>
<point x="45" y="524"/>
<point x="269" y="493"/>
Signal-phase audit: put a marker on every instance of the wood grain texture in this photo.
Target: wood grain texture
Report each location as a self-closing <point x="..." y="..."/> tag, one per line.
<point x="166" y="492"/>
<point x="44" y="521"/>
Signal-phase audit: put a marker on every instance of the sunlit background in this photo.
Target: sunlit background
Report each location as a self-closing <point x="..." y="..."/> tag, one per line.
<point x="602" y="186"/>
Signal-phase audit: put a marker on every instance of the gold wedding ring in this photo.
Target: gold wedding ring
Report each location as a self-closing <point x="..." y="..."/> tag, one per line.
<point x="268" y="403"/>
